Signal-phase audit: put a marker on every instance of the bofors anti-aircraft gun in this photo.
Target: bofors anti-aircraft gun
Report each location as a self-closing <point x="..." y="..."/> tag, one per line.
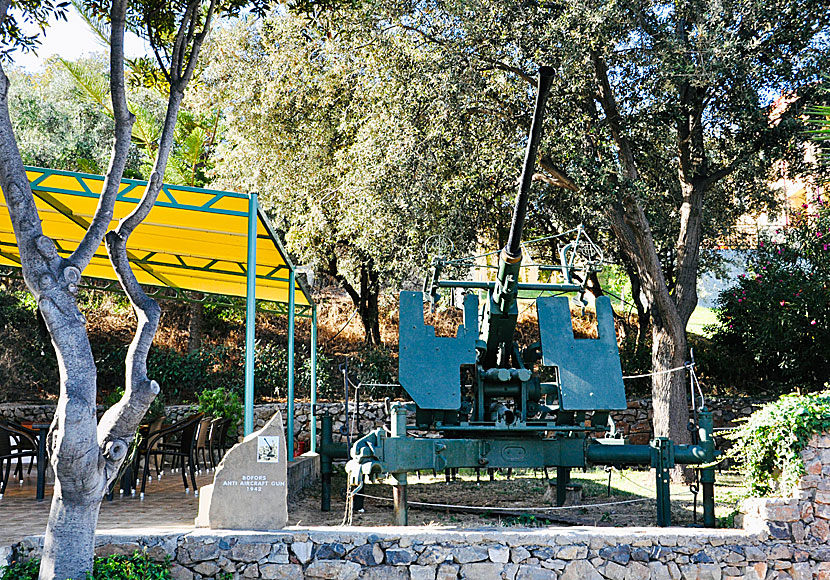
<point x="503" y="415"/>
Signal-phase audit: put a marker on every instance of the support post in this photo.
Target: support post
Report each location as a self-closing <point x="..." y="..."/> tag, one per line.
<point x="707" y="474"/>
<point x="563" y="477"/>
<point x="399" y="479"/>
<point x="325" y="463"/>
<point x="662" y="461"/>
<point x="290" y="438"/>
<point x="313" y="418"/>
<point x="250" y="315"/>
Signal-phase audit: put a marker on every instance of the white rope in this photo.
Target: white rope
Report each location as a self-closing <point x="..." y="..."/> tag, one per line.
<point x="524" y="509"/>
<point x="674" y="370"/>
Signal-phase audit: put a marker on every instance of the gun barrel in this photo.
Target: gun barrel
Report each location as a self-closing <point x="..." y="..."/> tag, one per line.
<point x="513" y="249"/>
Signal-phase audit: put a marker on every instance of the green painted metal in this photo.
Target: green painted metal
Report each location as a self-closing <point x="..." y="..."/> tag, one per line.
<point x="290" y="438"/>
<point x="433" y="381"/>
<point x="250" y="318"/>
<point x="133" y="185"/>
<point x="166" y="199"/>
<point x="481" y="394"/>
<point x="590" y="374"/>
<point x="313" y="418"/>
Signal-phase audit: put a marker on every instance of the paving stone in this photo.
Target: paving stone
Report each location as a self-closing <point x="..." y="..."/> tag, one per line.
<point x="434" y="555"/>
<point x="302" y="550"/>
<point x="468" y="554"/>
<point x="330" y="551"/>
<point x="519" y="554"/>
<point x="617" y="554"/>
<point x="249" y="552"/>
<point x="658" y="571"/>
<point x="499" y="554"/>
<point x="481" y="571"/>
<point x="367" y="555"/>
<point x="572" y="552"/>
<point x="533" y="573"/>
<point x="447" y="572"/>
<point x="278" y="554"/>
<point x="421" y="572"/>
<point x="206" y="568"/>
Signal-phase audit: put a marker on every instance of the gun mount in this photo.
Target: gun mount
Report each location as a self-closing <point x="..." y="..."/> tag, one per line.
<point x="484" y="395"/>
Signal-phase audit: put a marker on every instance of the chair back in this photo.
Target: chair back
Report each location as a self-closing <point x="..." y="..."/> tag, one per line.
<point x="189" y="430"/>
<point x="155" y="426"/>
<point x="185" y="430"/>
<point x="5" y="439"/>
<point x="204" y="432"/>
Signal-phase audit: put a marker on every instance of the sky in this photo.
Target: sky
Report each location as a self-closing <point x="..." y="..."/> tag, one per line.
<point x="71" y="39"/>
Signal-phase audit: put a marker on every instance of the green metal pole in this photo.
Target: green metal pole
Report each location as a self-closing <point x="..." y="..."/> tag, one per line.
<point x="313" y="415"/>
<point x="662" y="464"/>
<point x="400" y="484"/>
<point x="707" y="474"/>
<point x="291" y="364"/>
<point x="250" y="315"/>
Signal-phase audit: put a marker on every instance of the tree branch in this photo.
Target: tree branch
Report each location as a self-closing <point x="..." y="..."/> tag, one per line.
<point x="124" y="120"/>
<point x="197" y="44"/>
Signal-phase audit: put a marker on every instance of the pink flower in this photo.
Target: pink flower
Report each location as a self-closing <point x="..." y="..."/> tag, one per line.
<point x="740" y="299"/>
<point x="813" y="322"/>
<point x="783" y="303"/>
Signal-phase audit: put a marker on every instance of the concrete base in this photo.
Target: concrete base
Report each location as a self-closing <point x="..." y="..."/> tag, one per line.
<point x="302" y="472"/>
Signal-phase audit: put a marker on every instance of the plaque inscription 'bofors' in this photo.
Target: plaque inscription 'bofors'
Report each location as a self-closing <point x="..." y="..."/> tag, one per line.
<point x="252" y="472"/>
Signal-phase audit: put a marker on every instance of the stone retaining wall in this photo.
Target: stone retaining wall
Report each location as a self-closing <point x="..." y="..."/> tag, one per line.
<point x="435" y="554"/>
<point x="782" y="539"/>
<point x="804" y="516"/>
<point x="634" y="422"/>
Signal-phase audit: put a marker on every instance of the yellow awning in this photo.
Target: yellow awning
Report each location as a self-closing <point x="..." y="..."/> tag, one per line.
<point x="193" y="239"/>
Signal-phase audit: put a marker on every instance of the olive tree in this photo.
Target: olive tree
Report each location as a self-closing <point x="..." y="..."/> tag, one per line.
<point x="86" y="453"/>
<point x="661" y="117"/>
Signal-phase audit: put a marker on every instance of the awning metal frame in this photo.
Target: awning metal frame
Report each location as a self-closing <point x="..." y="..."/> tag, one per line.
<point x="149" y="262"/>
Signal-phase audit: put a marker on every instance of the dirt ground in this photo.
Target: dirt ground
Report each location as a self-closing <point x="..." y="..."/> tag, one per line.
<point x="630" y="503"/>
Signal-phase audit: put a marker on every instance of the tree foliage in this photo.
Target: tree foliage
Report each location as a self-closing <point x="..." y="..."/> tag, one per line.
<point x="768" y="445"/>
<point x="775" y="320"/>
<point x="362" y="146"/>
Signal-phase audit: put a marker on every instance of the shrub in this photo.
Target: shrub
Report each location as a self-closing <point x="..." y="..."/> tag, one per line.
<point x="768" y="444"/>
<point x="135" y="567"/>
<point x="221" y="403"/>
<point x="777" y="317"/>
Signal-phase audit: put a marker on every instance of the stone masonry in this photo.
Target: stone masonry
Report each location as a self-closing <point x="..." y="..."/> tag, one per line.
<point x="805" y="515"/>
<point x="782" y="539"/>
<point x="435" y="554"/>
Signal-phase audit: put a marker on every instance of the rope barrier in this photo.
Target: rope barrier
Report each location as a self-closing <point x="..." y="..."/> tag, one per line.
<point x="524" y="509"/>
<point x="665" y="372"/>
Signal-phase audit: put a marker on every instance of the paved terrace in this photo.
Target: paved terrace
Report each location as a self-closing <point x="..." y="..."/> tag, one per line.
<point x="166" y="507"/>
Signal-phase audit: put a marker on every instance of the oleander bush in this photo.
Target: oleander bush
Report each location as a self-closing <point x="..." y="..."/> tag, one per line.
<point x="774" y="323"/>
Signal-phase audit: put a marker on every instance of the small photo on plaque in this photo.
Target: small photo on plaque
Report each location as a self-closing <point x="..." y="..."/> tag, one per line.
<point x="268" y="449"/>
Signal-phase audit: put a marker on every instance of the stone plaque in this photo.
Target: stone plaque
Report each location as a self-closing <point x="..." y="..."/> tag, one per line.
<point x="249" y="490"/>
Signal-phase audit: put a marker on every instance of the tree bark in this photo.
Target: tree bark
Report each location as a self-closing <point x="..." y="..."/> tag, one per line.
<point x="85" y="454"/>
<point x="631" y="227"/>
<point x="195" y="320"/>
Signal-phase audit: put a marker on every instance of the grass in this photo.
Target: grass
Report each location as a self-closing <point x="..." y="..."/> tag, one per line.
<point x="701" y="318"/>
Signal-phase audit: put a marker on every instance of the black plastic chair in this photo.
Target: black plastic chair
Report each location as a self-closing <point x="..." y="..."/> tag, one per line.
<point x="15" y="443"/>
<point x="179" y="442"/>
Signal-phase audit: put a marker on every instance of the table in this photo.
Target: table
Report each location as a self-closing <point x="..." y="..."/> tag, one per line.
<point x="43" y="431"/>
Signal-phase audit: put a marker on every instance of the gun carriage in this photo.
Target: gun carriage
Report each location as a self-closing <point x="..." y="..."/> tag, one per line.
<point x="504" y="415"/>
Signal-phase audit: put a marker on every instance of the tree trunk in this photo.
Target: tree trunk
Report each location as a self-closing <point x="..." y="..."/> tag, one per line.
<point x="196" y="316"/>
